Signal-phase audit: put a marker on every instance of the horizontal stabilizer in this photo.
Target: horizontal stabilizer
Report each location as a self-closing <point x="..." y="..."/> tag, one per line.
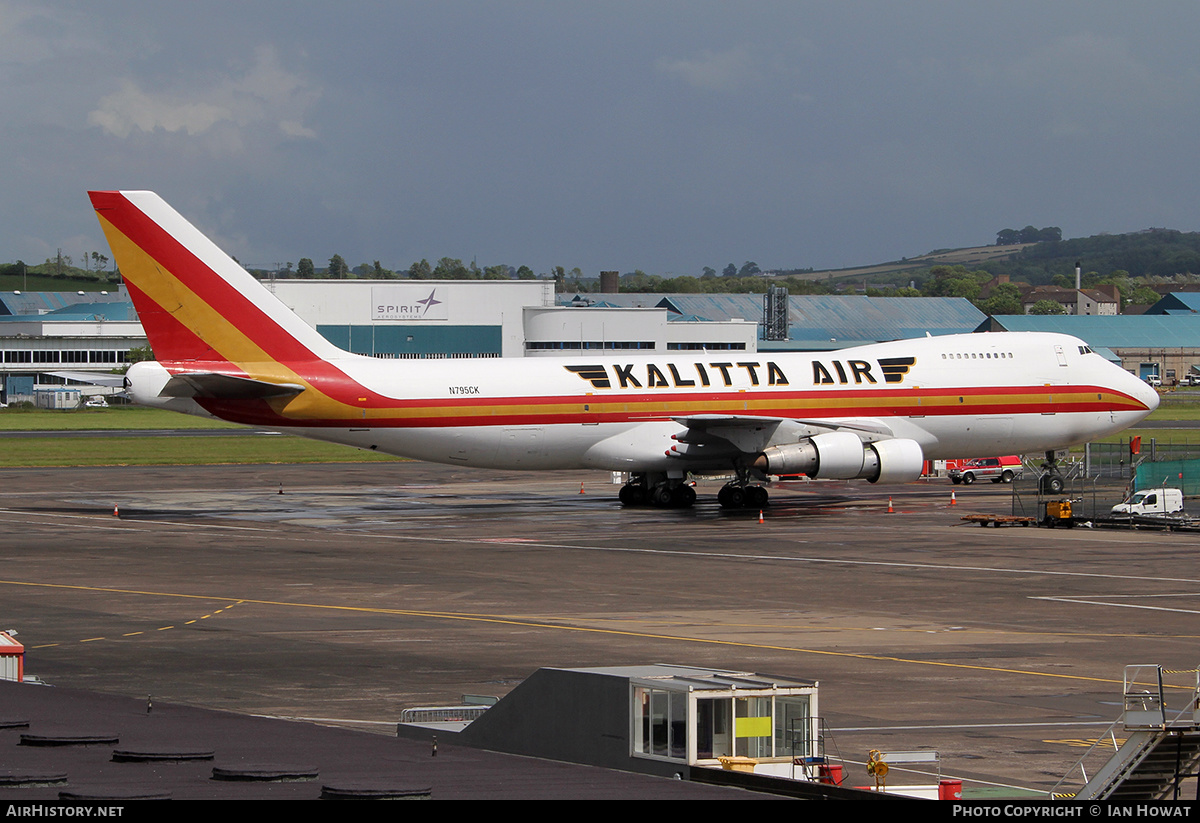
<point x="226" y="387"/>
<point x="115" y="381"/>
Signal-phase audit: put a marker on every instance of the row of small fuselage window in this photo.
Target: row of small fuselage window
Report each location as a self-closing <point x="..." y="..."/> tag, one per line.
<point x="978" y="356"/>
<point x="996" y="355"/>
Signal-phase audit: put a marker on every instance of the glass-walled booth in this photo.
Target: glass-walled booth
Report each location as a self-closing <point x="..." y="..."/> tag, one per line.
<point x="699" y="716"/>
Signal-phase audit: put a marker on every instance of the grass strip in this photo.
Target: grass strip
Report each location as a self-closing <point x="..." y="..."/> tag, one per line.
<point x="177" y="451"/>
<point x="114" y="419"/>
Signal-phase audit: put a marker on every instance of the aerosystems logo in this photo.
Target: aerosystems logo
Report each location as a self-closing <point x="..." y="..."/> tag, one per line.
<point x="407" y="303"/>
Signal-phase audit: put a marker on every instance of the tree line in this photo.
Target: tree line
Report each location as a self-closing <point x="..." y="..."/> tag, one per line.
<point x="1011" y="237"/>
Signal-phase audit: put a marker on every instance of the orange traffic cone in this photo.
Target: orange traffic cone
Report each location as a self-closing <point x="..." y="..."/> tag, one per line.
<point x="581" y="488"/>
<point x="890" y="509"/>
<point x="953" y="502"/>
<point x="116" y="511"/>
<point x="760" y="517"/>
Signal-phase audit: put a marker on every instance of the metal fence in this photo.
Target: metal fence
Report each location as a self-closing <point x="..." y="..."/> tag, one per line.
<point x="1105" y="474"/>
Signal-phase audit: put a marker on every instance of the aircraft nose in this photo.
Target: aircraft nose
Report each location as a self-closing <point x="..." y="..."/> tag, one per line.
<point x="1144" y="392"/>
<point x="1152" y="396"/>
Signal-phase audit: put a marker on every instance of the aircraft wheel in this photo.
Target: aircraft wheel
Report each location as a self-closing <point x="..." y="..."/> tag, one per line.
<point x="757" y="497"/>
<point x="731" y="497"/>
<point x="1052" y="484"/>
<point x="661" y="496"/>
<point x="632" y="495"/>
<point x="683" y="497"/>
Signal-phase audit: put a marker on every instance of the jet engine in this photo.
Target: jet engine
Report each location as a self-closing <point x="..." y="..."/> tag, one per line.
<point x="843" y="456"/>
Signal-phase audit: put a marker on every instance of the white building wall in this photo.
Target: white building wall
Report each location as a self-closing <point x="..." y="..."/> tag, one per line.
<point x="407" y="302"/>
<point x="562" y="330"/>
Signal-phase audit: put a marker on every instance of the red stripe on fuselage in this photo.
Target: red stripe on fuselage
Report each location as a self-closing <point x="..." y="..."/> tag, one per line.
<point x="510" y="411"/>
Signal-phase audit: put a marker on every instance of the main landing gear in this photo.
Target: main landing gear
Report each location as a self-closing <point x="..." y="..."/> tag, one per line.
<point x="741" y="496"/>
<point x="675" y="493"/>
<point x="663" y="493"/>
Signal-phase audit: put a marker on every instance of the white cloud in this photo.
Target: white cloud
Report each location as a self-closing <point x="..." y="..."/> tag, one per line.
<point x="133" y="109"/>
<point x="714" y="71"/>
<point x="264" y="96"/>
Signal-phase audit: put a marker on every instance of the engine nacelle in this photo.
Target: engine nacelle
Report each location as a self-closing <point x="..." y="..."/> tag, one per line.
<point x="894" y="461"/>
<point x="837" y="455"/>
<point x="843" y="456"/>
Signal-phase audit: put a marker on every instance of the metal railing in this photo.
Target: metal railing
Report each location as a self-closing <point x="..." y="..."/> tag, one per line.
<point x="1146" y="715"/>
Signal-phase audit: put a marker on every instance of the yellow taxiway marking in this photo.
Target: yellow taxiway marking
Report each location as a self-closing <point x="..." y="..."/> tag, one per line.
<point x="1084" y="742"/>
<point x="127" y="634"/>
<point x="563" y="627"/>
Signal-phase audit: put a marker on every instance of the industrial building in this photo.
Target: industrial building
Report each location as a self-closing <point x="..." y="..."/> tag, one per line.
<point x="42" y="333"/>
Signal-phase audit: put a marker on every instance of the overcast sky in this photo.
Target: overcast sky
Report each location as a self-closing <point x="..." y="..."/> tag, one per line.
<point x="665" y="136"/>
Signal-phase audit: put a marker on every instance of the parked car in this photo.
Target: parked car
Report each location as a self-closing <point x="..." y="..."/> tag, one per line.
<point x="996" y="469"/>
<point x="1154" y="380"/>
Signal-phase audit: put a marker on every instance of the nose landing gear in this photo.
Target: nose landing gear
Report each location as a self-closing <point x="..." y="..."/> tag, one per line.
<point x="1052" y="481"/>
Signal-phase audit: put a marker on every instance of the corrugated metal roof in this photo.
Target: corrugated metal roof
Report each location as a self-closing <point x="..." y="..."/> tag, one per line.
<point x="41" y="302"/>
<point x="113" y="311"/>
<point x="822" y="317"/>
<point x="1177" y="302"/>
<point x="630" y="300"/>
<point x="716" y="306"/>
<point x="819" y="320"/>
<point x="1114" y="332"/>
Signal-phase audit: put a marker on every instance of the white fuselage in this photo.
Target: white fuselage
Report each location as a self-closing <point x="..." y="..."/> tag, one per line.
<point x="956" y="396"/>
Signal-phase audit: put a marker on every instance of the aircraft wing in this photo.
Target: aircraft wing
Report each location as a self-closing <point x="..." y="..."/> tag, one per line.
<point x="211" y="385"/>
<point x="753" y="434"/>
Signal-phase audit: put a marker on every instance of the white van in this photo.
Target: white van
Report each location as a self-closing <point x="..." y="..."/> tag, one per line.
<point x="1151" y="501"/>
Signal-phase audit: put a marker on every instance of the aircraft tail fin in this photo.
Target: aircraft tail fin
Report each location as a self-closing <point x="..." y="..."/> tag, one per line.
<point x="195" y="302"/>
